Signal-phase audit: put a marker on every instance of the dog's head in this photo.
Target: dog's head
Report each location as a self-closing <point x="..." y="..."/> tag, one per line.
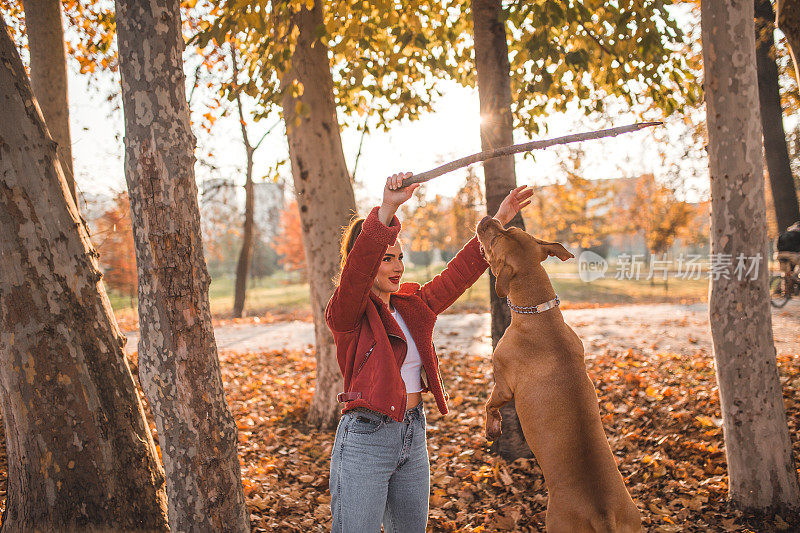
<point x="511" y="250"/>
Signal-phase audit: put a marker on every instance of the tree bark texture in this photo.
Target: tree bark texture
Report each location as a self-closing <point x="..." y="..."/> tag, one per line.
<point x="248" y="233"/>
<point x="80" y="453"/>
<point x="178" y="362"/>
<point x="497" y="127"/>
<point x="784" y="194"/>
<point x="49" y="76"/>
<point x="760" y="466"/>
<point x="323" y="191"/>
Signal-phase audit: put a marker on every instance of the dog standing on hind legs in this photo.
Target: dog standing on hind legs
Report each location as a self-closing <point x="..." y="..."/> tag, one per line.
<point x="539" y="363"/>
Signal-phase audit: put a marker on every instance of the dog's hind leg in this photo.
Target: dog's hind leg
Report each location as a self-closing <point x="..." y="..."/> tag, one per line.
<point x="501" y="395"/>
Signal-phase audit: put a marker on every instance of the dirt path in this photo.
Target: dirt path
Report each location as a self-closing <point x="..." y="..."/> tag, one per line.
<point x="648" y="328"/>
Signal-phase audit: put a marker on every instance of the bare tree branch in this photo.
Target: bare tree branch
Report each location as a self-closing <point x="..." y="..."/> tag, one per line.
<point x="269" y="130"/>
<point x="210" y="188"/>
<point x="194" y="84"/>
<point x="360" y="146"/>
<point x="524" y="147"/>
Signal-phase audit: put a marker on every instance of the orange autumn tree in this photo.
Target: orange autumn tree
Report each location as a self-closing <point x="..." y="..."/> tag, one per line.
<point x="574" y="211"/>
<point x="467" y="209"/>
<point x="113" y="240"/>
<point x="288" y="242"/>
<point x="658" y="213"/>
<point x="443" y="223"/>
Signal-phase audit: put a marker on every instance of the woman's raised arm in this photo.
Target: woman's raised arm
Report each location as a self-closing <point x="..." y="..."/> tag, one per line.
<point x="380" y="229"/>
<point x="469" y="264"/>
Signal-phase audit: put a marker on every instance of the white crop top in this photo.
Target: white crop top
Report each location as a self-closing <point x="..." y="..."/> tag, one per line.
<point x="412" y="364"/>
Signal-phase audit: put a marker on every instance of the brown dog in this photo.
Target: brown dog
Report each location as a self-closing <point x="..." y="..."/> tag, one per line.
<point x="539" y="363"/>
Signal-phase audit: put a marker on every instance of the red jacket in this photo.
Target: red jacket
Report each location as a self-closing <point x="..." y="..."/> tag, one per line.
<point x="370" y="345"/>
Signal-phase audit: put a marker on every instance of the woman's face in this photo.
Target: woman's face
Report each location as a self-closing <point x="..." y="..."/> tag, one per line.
<point x="388" y="278"/>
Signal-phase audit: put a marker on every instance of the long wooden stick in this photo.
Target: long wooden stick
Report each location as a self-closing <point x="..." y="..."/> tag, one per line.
<point x="524" y="147"/>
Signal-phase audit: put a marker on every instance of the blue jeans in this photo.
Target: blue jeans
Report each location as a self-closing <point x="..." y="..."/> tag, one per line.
<point x="380" y="473"/>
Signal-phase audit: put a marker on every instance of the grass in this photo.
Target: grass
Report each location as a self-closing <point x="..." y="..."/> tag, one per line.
<point x="285" y="294"/>
<point x="267" y="294"/>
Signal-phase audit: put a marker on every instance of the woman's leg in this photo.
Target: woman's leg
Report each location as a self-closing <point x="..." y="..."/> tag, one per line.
<point x="409" y="486"/>
<point x="363" y="458"/>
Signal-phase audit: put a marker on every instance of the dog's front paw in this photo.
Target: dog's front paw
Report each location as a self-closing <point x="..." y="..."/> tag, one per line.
<point x="493" y="425"/>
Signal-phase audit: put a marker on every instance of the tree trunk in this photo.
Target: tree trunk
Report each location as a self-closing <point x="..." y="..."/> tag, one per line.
<point x="787" y="16"/>
<point x="49" y="76"/>
<point x="759" y="454"/>
<point x="776" y="154"/>
<point x="246" y="253"/>
<point x="494" y="91"/>
<point x="178" y="363"/>
<point x="323" y="191"/>
<point x="80" y="453"/>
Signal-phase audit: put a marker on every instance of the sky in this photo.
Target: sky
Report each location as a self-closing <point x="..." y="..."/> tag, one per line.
<point x="450" y="132"/>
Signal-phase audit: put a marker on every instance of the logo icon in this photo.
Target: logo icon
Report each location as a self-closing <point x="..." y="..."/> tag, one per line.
<point x="591" y="266"/>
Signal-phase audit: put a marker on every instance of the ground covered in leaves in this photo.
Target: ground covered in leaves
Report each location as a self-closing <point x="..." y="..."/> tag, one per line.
<point x="661" y="414"/>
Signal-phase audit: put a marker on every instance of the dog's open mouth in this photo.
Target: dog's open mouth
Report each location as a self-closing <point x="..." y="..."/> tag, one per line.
<point x="483" y="252"/>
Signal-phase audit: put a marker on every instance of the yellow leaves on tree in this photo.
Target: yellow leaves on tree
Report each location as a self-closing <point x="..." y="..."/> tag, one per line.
<point x="659" y="214"/>
<point x="288" y="242"/>
<point x="444" y="224"/>
<point x="113" y="239"/>
<point x="576" y="211"/>
<point x="425" y="226"/>
<point x="467" y="208"/>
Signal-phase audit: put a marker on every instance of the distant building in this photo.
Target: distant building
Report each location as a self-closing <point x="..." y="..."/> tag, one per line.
<point x="269" y="202"/>
<point x="623" y="197"/>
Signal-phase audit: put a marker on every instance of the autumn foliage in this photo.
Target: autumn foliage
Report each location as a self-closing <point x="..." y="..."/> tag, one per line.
<point x="468" y="208"/>
<point x="113" y="239"/>
<point x="288" y="243"/>
<point x="575" y="212"/>
<point x="444" y="223"/>
<point x="660" y="412"/>
<point x="659" y="214"/>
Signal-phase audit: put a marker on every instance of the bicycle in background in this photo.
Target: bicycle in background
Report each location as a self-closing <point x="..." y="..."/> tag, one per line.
<point x="786" y="284"/>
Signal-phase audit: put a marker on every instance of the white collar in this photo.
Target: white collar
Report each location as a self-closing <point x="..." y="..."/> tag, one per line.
<point x="534" y="309"/>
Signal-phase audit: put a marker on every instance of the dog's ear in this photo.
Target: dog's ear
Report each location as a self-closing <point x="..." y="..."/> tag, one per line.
<point x="556" y="249"/>
<point x="503" y="279"/>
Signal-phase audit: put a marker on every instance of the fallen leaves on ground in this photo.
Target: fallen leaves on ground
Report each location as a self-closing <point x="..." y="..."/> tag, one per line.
<point x="661" y="415"/>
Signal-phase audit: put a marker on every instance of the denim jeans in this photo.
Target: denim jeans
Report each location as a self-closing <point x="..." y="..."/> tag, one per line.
<point x="380" y="473"/>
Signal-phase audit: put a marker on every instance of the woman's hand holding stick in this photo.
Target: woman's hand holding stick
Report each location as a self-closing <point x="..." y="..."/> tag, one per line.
<point x="394" y="195"/>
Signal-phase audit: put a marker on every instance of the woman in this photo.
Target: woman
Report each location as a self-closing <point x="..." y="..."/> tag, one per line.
<point x="379" y="462"/>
